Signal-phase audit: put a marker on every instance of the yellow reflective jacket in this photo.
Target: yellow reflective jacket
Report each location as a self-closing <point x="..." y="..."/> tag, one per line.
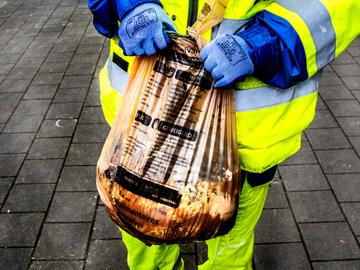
<point x="270" y="120"/>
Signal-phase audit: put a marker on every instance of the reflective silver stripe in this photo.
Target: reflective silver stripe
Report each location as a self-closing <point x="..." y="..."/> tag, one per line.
<point x="228" y="26"/>
<point x="318" y="20"/>
<point x="118" y="78"/>
<point x="264" y="97"/>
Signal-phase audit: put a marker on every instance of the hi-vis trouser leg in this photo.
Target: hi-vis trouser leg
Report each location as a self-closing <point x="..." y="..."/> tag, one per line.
<point x="231" y="251"/>
<point x="234" y="250"/>
<point x="155" y="257"/>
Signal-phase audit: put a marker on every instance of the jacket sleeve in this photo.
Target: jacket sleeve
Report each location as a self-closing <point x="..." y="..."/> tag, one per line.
<point x="107" y="13"/>
<point x="290" y="41"/>
<point x="124" y="6"/>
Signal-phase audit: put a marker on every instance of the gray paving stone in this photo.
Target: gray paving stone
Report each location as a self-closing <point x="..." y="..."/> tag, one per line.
<point x="27" y="107"/>
<point x="315" y="206"/>
<point x="327" y="138"/>
<point x="338" y="161"/>
<point x="84" y="154"/>
<point x="12" y="224"/>
<point x="330" y="78"/>
<point x="106" y="255"/>
<point x="81" y="69"/>
<point x="70" y="95"/>
<point x="92" y="115"/>
<point x="303" y="177"/>
<point x="320" y="104"/>
<point x="350" y="125"/>
<point x="104" y="228"/>
<point x="15" y="142"/>
<point x="47" y="78"/>
<point x="343" y="58"/>
<point x="5" y="68"/>
<point x="56" y="265"/>
<point x="87" y="133"/>
<point x="65" y="47"/>
<point x="276" y="226"/>
<point x="281" y="257"/>
<point x="355" y="141"/>
<point x="344" y="108"/>
<point x="40" y="171"/>
<point x="347" y="69"/>
<point x="352" y="213"/>
<point x="81" y="58"/>
<point x="337" y="265"/>
<point x="63" y="241"/>
<point x="354" y="51"/>
<point x="40" y="92"/>
<point x="6" y="58"/>
<point x="10" y="164"/>
<point x="357" y="94"/>
<point x="345" y="186"/>
<point x="22" y="73"/>
<point x="49" y="148"/>
<point x="352" y="82"/>
<point x="77" y="178"/>
<point x="304" y="156"/>
<point x="92" y="99"/>
<point x="9" y="100"/>
<point x="340" y="91"/>
<point x="34" y="62"/>
<point x="15" y="258"/>
<point x="72" y="207"/>
<point x="76" y="81"/>
<point x="57" y="128"/>
<point x="5" y="185"/>
<point x="14" y="86"/>
<point x="329" y="241"/>
<point x="64" y="110"/>
<point x="54" y="67"/>
<point x="29" y="198"/>
<point x="21" y="123"/>
<point x="276" y="196"/>
<point x="323" y="119"/>
<point x="59" y="57"/>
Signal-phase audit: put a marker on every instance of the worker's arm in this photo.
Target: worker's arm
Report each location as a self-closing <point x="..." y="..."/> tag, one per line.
<point x="143" y="24"/>
<point x="289" y="42"/>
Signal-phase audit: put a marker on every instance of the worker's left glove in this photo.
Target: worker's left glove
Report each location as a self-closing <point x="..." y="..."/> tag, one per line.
<point x="143" y="30"/>
<point x="227" y="59"/>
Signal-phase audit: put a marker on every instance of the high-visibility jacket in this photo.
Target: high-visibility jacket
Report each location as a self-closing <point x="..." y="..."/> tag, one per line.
<point x="270" y="119"/>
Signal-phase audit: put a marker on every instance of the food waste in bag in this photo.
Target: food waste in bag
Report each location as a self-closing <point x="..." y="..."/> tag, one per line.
<point x="169" y="169"/>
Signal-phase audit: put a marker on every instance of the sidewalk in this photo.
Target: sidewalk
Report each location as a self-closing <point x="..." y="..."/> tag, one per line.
<point x="52" y="131"/>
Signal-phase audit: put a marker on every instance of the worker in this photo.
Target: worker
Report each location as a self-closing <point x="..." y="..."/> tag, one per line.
<point x="271" y="52"/>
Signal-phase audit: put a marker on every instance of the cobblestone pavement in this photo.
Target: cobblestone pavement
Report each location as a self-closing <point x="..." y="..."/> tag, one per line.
<point x="52" y="131"/>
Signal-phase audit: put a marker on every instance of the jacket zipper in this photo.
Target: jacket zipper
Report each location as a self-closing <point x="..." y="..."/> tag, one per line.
<point x="193" y="9"/>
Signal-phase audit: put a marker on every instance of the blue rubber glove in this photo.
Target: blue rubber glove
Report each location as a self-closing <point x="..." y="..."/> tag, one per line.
<point x="227" y="59"/>
<point x="143" y="30"/>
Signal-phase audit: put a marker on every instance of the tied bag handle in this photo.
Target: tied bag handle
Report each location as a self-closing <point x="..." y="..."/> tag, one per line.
<point x="212" y="13"/>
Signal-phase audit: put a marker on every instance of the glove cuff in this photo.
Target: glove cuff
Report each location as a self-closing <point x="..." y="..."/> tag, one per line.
<point x="126" y="6"/>
<point x="263" y="48"/>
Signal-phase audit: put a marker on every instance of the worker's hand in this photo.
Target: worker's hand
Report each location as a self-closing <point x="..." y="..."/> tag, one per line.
<point x="227" y="59"/>
<point x="143" y="30"/>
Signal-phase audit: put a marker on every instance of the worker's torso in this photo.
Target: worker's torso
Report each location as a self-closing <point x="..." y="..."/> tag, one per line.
<point x="269" y="120"/>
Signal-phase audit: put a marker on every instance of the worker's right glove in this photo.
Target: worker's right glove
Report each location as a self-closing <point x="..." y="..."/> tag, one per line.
<point x="143" y="30"/>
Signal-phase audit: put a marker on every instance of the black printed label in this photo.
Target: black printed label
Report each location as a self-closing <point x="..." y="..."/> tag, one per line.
<point x="232" y="50"/>
<point x="147" y="189"/>
<point x="140" y="21"/>
<point x="192" y="79"/>
<point x="176" y="130"/>
<point x="143" y="118"/>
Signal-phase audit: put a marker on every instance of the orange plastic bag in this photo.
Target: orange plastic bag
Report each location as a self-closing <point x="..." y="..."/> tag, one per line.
<point x="169" y="172"/>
